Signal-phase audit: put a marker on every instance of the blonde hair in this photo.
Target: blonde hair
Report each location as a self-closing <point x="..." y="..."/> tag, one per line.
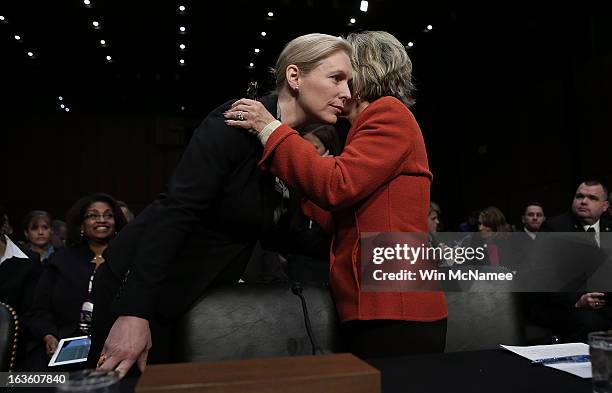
<point x="382" y="67"/>
<point x="306" y="52"/>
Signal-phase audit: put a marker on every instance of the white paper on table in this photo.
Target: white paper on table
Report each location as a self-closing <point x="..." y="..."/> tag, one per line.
<point x="536" y="352"/>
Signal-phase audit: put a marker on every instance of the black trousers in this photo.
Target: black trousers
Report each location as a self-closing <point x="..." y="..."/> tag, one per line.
<point x="386" y="338"/>
<point x="105" y="288"/>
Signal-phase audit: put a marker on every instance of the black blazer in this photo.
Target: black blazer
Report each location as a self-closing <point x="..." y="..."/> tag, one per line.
<point x="60" y="293"/>
<point x="202" y="231"/>
<point x="18" y="278"/>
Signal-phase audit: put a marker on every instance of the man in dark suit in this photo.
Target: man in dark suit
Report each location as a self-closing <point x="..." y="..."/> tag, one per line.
<point x="577" y="313"/>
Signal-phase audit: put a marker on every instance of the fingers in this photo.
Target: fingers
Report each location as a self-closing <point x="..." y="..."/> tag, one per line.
<point x="142" y="360"/>
<point x="243" y="101"/>
<point x="124" y="366"/>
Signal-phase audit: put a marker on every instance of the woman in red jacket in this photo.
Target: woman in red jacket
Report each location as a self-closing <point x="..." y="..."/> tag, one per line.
<point x="379" y="183"/>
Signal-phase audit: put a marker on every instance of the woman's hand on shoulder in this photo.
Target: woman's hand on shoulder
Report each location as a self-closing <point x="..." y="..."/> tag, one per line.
<point x="248" y="114"/>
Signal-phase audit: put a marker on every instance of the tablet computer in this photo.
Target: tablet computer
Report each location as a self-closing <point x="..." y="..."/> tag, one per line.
<point x="71" y="350"/>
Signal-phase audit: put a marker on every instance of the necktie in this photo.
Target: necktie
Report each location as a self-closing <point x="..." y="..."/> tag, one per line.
<point x="592" y="235"/>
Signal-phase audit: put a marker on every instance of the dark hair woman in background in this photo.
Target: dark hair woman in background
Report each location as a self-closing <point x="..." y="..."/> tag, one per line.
<point x="62" y="304"/>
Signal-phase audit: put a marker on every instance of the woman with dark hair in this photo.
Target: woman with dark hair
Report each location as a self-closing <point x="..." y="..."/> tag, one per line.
<point x="324" y="138"/>
<point x="62" y="300"/>
<point x="492" y="233"/>
<point x="37" y="231"/>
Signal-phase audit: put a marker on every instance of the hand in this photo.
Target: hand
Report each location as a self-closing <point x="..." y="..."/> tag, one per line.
<point x="128" y="342"/>
<point x="327" y="154"/>
<point x="254" y="115"/>
<point x="593" y="300"/>
<point x="50" y="344"/>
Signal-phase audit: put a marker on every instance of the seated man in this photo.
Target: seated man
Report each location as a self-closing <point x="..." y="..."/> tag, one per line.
<point x="574" y="315"/>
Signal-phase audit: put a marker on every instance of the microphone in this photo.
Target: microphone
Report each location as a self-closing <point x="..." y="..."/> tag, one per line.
<point x="296" y="288"/>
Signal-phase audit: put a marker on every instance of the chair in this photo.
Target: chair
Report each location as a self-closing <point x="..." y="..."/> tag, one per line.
<point x="9" y="327"/>
<point x="246" y="321"/>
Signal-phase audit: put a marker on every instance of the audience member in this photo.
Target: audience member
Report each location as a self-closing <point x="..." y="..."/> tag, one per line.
<point x="574" y="315"/>
<point x="127" y="213"/>
<point x="58" y="234"/>
<point x="62" y="301"/>
<point x="19" y="271"/>
<point x="433" y="219"/>
<point x="532" y="219"/>
<point x="492" y="233"/>
<point x="37" y="231"/>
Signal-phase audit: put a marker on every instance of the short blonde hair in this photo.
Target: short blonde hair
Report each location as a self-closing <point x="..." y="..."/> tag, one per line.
<point x="382" y="67"/>
<point x="306" y="52"/>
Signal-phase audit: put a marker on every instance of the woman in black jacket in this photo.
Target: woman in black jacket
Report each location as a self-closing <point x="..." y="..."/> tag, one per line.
<point x="62" y="301"/>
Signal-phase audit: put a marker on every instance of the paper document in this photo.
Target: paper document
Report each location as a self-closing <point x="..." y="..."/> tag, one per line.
<point x="536" y="352"/>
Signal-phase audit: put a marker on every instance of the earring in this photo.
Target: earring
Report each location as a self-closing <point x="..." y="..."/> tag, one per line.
<point x="297" y="87"/>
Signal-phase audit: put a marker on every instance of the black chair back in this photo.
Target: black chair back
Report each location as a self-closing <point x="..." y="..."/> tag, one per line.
<point x="246" y="321"/>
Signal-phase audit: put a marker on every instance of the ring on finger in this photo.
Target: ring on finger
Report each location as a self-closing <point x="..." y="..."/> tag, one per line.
<point x="241" y="116"/>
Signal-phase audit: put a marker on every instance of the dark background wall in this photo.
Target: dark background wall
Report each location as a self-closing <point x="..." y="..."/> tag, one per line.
<point x="514" y="103"/>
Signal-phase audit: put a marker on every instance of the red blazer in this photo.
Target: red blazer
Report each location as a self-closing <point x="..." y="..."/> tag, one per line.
<point x="380" y="183"/>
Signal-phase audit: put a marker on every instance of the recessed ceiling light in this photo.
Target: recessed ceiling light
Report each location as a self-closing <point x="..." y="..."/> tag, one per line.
<point x="429" y="27"/>
<point x="263" y="33"/>
<point x="2" y="18"/>
<point x="182" y="108"/>
<point x="109" y="58"/>
<point x="256" y="50"/>
<point x="60" y="98"/>
<point x="17" y="37"/>
<point x="251" y="65"/>
<point x="102" y="42"/>
<point x="182" y="29"/>
<point x="86" y="2"/>
<point x="411" y="44"/>
<point x="270" y="14"/>
<point x="363" y="6"/>
<point x="182" y="8"/>
<point x="62" y="106"/>
<point x="182" y="46"/>
<point x="95" y="23"/>
<point x="30" y="54"/>
<point x="182" y="61"/>
<point x="67" y="109"/>
<point x="353" y="20"/>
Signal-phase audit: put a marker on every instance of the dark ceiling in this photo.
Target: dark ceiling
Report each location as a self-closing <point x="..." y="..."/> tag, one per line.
<point x="143" y="38"/>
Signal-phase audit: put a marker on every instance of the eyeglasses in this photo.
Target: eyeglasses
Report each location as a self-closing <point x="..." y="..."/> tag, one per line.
<point x="96" y="217"/>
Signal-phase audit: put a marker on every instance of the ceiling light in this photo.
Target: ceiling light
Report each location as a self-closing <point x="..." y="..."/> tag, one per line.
<point x="182" y="8"/>
<point x="182" y="46"/>
<point x="182" y="61"/>
<point x="256" y="50"/>
<point x="182" y="108"/>
<point x="95" y="24"/>
<point x="251" y="65"/>
<point x="2" y="18"/>
<point x="410" y="44"/>
<point x="109" y="58"/>
<point x="87" y="2"/>
<point x="103" y="42"/>
<point x="18" y="38"/>
<point x="263" y="33"/>
<point x="67" y="109"/>
<point x="429" y="27"/>
<point x="353" y="20"/>
<point x="60" y="98"/>
<point x="62" y="106"/>
<point x="363" y="6"/>
<point x="182" y="29"/>
<point x="30" y="54"/>
<point x="270" y="14"/>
